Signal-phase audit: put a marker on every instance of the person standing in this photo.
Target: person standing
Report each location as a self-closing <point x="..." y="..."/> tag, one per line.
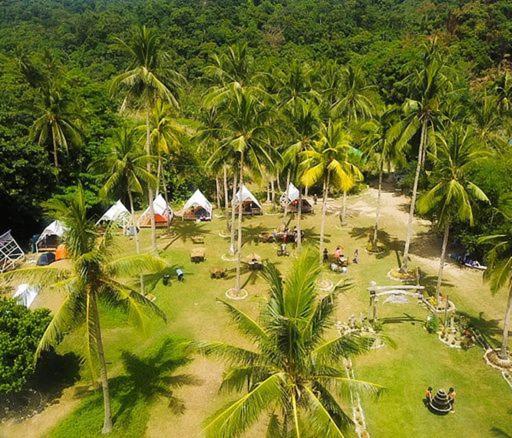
<point x="451" y="398"/>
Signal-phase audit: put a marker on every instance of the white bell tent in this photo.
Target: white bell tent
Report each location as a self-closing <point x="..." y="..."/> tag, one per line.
<point x="290" y="200"/>
<point x="10" y="252"/>
<point x="163" y="214"/>
<point x="197" y="207"/>
<point x="117" y="214"/>
<point x="26" y="294"/>
<point x="250" y="204"/>
<point x="49" y="239"/>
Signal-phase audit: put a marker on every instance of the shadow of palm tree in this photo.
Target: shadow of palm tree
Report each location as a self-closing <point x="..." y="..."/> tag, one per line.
<point x="389" y="243"/>
<point x="498" y="432"/>
<point x="489" y="328"/>
<point x="250" y="233"/>
<point x="151" y="280"/>
<point x="311" y="236"/>
<point x="400" y="319"/>
<point x="430" y="282"/>
<point x="186" y="231"/>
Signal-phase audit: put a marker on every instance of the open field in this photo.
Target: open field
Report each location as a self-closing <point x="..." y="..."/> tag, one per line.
<point x="136" y="358"/>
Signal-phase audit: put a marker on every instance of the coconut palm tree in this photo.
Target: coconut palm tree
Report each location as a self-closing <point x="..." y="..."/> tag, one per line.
<point x="422" y="112"/>
<point x="144" y="86"/>
<point x="245" y="121"/>
<point x="293" y="373"/>
<point x="488" y="123"/>
<point x="327" y="161"/>
<point x="499" y="272"/>
<point x="452" y="196"/>
<point x="57" y="122"/>
<point x="94" y="275"/>
<point x="379" y="140"/>
<point x="303" y="120"/>
<point x="124" y="170"/>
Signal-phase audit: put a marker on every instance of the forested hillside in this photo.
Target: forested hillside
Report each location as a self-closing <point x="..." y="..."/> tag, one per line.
<point x="73" y="42"/>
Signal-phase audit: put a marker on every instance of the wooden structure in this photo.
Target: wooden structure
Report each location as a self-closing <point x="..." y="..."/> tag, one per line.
<point x="11" y="253"/>
<point x="197" y="255"/>
<point x="378" y="291"/>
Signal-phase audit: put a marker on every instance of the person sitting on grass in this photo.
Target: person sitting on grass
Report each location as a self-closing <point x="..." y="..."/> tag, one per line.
<point x="338" y="253"/>
<point x="428" y="396"/>
<point x="451" y="397"/>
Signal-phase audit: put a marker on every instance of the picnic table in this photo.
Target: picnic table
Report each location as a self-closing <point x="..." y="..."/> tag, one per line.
<point x="197" y="255"/>
<point x="254" y="262"/>
<point x="198" y="239"/>
<point x="217" y="272"/>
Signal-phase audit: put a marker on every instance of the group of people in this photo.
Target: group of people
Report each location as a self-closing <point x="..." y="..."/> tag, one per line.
<point x="451" y="398"/>
<point x="339" y="256"/>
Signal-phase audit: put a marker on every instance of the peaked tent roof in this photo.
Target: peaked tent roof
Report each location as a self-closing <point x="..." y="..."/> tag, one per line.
<point x="246" y="196"/>
<point x="198" y="200"/>
<point x="25" y="294"/>
<point x="160" y="207"/>
<point x="117" y="213"/>
<point x="293" y="194"/>
<point x="56" y="228"/>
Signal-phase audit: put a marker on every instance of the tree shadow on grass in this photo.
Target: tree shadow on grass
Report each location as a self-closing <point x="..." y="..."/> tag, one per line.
<point x="404" y="318"/>
<point x="488" y="328"/>
<point x="53" y="374"/>
<point x="185" y="231"/>
<point x="312" y="236"/>
<point x="147" y="379"/>
<point x="390" y="244"/>
<point x="499" y="432"/>
<point x="430" y="283"/>
<point x="250" y="233"/>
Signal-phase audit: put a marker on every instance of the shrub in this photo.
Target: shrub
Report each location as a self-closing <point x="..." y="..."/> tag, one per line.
<point x="432" y="324"/>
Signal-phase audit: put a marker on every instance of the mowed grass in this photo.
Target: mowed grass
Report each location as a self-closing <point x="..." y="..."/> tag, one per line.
<point x="484" y="400"/>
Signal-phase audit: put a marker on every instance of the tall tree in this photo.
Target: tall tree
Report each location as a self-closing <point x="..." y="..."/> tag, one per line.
<point x="327" y="161"/>
<point x="124" y="170"/>
<point x="499" y="270"/>
<point x="95" y="274"/>
<point x="422" y="111"/>
<point x="452" y="196"/>
<point x="294" y="372"/>
<point x="145" y="86"/>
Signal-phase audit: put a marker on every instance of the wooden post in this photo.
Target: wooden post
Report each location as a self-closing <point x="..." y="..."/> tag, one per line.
<point x="373" y="306"/>
<point x="446" y="312"/>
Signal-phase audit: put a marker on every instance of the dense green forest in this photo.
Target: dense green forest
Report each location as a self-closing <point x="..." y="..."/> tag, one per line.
<point x="70" y="46"/>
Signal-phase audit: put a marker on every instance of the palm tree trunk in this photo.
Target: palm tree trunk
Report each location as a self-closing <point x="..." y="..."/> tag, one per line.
<point x="278" y="183"/>
<point x="107" y="418"/>
<point x="506" y="326"/>
<point x="233" y="210"/>
<point x="164" y="185"/>
<point x="377" y="212"/>
<point x="268" y="193"/>
<point x="441" y="262"/>
<point x="299" y="216"/>
<point x="132" y="210"/>
<point x="273" y="190"/>
<point x="287" y="200"/>
<point x="226" y="197"/>
<point x="56" y="160"/>
<point x="150" y="189"/>
<point x="217" y="188"/>
<point x="324" y="211"/>
<point x="408" y="238"/>
<point x="158" y="177"/>
<point x="239" y="245"/>
<point x="344" y="208"/>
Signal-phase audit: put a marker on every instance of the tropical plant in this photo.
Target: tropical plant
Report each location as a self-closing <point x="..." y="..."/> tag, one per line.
<point x="452" y="196"/>
<point x="499" y="271"/>
<point x="247" y="134"/>
<point x="294" y="373"/>
<point x="327" y="161"/>
<point x="422" y="112"/>
<point x="94" y="275"/>
<point x="379" y="139"/>
<point x="145" y="86"/>
<point x="124" y="170"/>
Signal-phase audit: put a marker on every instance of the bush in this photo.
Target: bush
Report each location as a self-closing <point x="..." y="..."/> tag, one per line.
<point x="20" y="332"/>
<point x="432" y="324"/>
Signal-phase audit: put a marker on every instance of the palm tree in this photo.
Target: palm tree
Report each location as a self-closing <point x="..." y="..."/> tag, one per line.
<point x="488" y="123"/>
<point x="56" y="122"/>
<point x="124" y="169"/>
<point x="379" y="138"/>
<point x="499" y="273"/>
<point x="244" y="119"/>
<point x="294" y="374"/>
<point x="451" y="197"/>
<point x="327" y="161"/>
<point x="303" y="119"/>
<point x="144" y="88"/>
<point x="94" y="275"/>
<point x="422" y="112"/>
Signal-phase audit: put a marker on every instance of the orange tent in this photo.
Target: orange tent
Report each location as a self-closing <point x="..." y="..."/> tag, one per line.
<point x="61" y="253"/>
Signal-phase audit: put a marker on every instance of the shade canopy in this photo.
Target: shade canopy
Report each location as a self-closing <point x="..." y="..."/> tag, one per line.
<point x="118" y="213"/>
<point x="56" y="229"/>
<point x="198" y="200"/>
<point x="163" y="213"/>
<point x="25" y="294"/>
<point x="292" y="194"/>
<point x="245" y="195"/>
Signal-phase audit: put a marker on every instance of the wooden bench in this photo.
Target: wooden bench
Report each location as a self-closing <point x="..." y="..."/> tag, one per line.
<point x="197" y="255"/>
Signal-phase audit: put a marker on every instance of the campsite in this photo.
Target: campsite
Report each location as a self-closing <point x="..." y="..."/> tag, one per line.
<point x="279" y="218"/>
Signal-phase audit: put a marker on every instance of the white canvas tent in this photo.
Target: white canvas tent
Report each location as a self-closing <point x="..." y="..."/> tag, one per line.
<point x="291" y="202"/>
<point x="163" y="214"/>
<point x="249" y="201"/>
<point x="117" y="214"/>
<point x="197" y="207"/>
<point x="25" y="294"/>
<point x="10" y="252"/>
<point x="50" y="237"/>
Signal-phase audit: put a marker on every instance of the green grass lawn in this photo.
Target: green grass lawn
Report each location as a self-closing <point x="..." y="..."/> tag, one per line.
<point x="484" y="401"/>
